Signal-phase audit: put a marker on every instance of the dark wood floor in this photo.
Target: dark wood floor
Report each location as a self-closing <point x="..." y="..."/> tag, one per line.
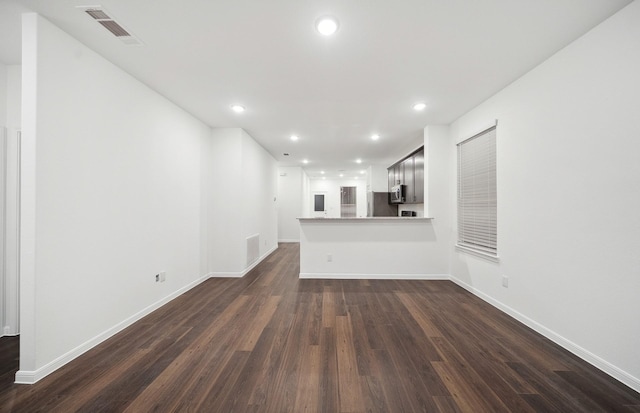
<point x="272" y="343"/>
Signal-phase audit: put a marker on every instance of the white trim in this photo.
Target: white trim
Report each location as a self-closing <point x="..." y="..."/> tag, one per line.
<point x="240" y="274"/>
<point x="31" y="377"/>
<point x="352" y="276"/>
<point x="287" y="241"/>
<point x="487" y="256"/>
<point x="605" y="366"/>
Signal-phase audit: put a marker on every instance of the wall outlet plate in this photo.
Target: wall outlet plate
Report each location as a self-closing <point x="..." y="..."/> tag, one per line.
<point x="505" y="281"/>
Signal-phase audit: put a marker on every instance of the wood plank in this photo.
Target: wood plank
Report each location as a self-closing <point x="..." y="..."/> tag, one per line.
<point x="349" y="392"/>
<point x="269" y="342"/>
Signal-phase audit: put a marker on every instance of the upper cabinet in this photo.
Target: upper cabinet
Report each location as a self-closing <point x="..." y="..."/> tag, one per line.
<point x="410" y="172"/>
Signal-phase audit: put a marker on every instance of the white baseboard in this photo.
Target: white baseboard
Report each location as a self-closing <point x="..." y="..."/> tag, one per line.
<point x="351" y="276"/>
<point x="240" y="274"/>
<point x="286" y="241"/>
<point x="8" y="331"/>
<point x="31" y="377"/>
<point x="605" y="366"/>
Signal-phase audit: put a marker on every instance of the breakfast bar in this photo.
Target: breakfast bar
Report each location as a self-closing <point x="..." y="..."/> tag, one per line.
<point x="359" y="248"/>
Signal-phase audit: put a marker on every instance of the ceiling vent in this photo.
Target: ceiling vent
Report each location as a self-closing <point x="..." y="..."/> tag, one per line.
<point x="99" y="14"/>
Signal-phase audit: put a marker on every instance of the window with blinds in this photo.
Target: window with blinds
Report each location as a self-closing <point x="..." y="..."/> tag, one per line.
<point x="477" y="203"/>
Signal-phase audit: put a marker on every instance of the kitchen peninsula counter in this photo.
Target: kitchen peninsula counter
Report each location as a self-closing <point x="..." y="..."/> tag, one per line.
<point x="367" y="219"/>
<point x="366" y="248"/>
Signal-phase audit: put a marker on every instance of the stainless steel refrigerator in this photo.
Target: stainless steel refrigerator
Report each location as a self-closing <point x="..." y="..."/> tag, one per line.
<point x="378" y="205"/>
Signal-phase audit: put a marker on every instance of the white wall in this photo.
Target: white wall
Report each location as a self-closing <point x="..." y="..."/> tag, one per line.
<point x="306" y="195"/>
<point x="242" y="201"/>
<point x="378" y="178"/>
<point x="111" y="196"/>
<point x="568" y="197"/>
<point x="290" y="197"/>
<point x="331" y="188"/>
<point x="3" y="94"/>
<point x="259" y="191"/>
<point x="14" y="97"/>
<point x="438" y="201"/>
<point x="224" y="199"/>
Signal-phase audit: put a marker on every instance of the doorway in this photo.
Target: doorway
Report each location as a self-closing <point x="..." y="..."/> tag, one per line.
<point x="348" y="201"/>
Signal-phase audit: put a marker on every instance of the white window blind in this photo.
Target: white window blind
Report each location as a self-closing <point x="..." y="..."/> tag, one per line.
<point x="477" y="203"/>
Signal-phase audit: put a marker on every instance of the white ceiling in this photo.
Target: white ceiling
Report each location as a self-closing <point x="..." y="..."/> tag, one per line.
<point x="333" y="92"/>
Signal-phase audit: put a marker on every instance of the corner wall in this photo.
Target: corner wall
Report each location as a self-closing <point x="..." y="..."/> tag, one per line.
<point x="242" y="194"/>
<point x="568" y="197"/>
<point x="111" y="183"/>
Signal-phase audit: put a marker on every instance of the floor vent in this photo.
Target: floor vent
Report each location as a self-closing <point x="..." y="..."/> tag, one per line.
<point x="100" y="15"/>
<point x="253" y="249"/>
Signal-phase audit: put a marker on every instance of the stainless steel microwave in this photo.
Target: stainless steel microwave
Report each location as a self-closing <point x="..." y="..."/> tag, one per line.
<point x="397" y="194"/>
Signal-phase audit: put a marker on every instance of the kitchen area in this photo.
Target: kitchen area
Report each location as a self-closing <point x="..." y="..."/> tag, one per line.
<point x="382" y="241"/>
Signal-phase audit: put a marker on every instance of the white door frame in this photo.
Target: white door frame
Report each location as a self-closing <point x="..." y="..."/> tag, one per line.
<point x="10" y="271"/>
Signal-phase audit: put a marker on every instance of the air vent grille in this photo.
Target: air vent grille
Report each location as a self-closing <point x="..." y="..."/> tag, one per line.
<point x="100" y="15"/>
<point x="114" y="28"/>
<point x="97" y="14"/>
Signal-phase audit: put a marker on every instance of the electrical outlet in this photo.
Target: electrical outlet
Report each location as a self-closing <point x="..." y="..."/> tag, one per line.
<point x="329" y="257"/>
<point x="157" y="277"/>
<point x="505" y="281"/>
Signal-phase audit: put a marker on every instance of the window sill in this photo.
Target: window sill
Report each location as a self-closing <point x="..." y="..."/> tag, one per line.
<point x="484" y="255"/>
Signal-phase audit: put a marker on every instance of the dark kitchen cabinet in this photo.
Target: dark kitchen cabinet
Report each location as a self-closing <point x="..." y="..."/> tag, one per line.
<point x="418" y="176"/>
<point x="410" y="172"/>
<point x="409" y="180"/>
<point x="396" y="175"/>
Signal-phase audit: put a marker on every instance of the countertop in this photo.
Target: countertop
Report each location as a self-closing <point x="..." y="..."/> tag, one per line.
<point x="317" y="219"/>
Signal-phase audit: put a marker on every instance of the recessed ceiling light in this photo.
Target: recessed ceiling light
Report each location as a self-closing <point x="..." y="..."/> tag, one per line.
<point x="237" y="108"/>
<point x="358" y="160"/>
<point x="361" y="172"/>
<point x="327" y="25"/>
<point x="321" y="172"/>
<point x="294" y="137"/>
<point x="375" y="137"/>
<point x="341" y="175"/>
<point x="305" y="161"/>
<point x="419" y="106"/>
